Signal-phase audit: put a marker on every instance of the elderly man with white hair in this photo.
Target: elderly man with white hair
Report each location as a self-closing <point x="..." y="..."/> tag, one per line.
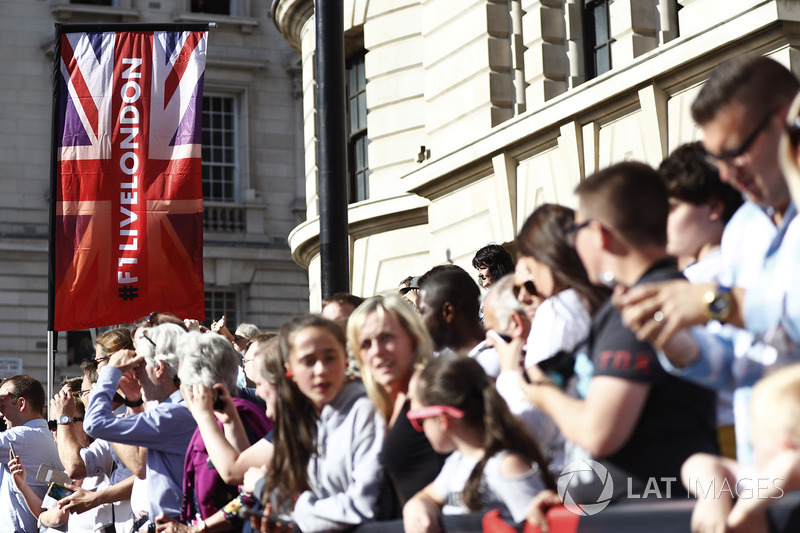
<point x="165" y="430"/>
<point x="504" y="316"/>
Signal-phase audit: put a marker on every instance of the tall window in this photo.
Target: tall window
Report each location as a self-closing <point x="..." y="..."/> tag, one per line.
<point x="217" y="7"/>
<point x="598" y="37"/>
<point x="219" y="148"/>
<point x="219" y="304"/>
<point x="357" y="160"/>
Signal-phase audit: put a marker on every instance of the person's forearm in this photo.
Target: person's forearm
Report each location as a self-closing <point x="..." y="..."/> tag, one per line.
<point x="567" y="412"/>
<point x="223" y="453"/>
<point x="133" y="457"/>
<point x="33" y="501"/>
<point x="116" y="493"/>
<point x="53" y="517"/>
<point x="681" y="349"/>
<point x="235" y="434"/>
<point x="736" y="316"/>
<point x="69" y="451"/>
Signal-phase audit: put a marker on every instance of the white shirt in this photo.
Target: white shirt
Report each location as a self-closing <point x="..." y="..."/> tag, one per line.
<point x="34" y="444"/>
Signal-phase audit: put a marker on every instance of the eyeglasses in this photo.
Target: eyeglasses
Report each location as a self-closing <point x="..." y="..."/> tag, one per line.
<point x="571" y="232"/>
<point x="733" y="157"/>
<point x="100" y="359"/>
<point x="529" y="286"/>
<point x="417" y="416"/>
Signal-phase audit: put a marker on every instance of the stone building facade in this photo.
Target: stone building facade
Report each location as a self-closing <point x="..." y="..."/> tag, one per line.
<point x="478" y="111"/>
<point x="252" y="194"/>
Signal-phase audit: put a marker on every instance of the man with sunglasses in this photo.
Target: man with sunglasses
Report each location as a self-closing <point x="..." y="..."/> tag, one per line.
<point x="741" y="110"/>
<point x="22" y="401"/>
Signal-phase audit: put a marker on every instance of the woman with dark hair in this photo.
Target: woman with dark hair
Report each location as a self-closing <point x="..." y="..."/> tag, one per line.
<point x="570" y="299"/>
<point x="492" y="263"/>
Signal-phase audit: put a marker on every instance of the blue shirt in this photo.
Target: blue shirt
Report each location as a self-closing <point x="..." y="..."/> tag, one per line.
<point x="34" y="444"/>
<point x="759" y="257"/>
<point x="164" y="430"/>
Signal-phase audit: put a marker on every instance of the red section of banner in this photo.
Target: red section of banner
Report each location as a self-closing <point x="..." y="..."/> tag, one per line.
<point x="129" y="217"/>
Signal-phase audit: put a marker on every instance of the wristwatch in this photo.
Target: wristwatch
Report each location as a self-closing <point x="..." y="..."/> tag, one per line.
<point x="718" y="303"/>
<point x="63" y="420"/>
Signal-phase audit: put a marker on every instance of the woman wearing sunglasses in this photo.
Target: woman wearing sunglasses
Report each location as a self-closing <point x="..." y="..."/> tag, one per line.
<point x="495" y="463"/>
<point x="546" y="248"/>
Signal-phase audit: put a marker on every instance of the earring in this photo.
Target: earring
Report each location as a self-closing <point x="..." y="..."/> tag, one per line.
<point x="289" y="374"/>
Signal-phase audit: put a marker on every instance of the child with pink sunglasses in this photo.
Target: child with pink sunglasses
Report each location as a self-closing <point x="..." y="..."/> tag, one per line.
<point x="495" y="463"/>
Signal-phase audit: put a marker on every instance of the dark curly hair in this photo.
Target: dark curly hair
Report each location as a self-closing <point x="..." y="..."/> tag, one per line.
<point x="496" y="259"/>
<point x="690" y="178"/>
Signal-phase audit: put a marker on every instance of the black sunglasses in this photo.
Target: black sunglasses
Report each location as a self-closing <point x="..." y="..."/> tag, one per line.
<point x="729" y="157"/>
<point x="529" y="287"/>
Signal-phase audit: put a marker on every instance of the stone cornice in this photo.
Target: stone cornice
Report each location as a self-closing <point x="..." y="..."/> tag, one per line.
<point x="290" y="16"/>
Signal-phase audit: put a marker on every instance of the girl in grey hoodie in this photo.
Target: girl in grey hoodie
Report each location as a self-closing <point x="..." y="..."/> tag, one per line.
<point x="325" y="474"/>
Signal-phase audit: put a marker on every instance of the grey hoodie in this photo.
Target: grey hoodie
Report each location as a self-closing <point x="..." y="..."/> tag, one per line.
<point x="345" y="474"/>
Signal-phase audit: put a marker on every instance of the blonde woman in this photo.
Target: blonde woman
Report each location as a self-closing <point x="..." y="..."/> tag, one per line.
<point x="391" y="344"/>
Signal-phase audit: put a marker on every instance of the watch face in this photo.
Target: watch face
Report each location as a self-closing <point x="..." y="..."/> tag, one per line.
<point x="64" y="419"/>
<point x="718" y="306"/>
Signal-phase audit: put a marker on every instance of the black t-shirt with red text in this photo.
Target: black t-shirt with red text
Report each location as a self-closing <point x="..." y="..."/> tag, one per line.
<point x="678" y="418"/>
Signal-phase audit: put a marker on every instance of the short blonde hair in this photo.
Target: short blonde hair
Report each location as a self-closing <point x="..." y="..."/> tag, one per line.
<point x="776" y="401"/>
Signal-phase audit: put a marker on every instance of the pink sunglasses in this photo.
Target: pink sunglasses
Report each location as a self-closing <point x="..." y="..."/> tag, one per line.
<point x="416" y="416"/>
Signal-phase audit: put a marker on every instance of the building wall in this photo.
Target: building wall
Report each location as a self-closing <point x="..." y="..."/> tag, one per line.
<point x="247" y="58"/>
<point x="497" y="96"/>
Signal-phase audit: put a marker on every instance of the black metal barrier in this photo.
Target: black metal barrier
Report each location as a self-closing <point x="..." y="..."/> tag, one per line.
<point x="669" y="516"/>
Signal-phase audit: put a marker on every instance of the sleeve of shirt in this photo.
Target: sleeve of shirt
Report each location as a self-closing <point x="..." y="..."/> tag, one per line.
<point x="547" y="333"/>
<point x="441" y="483"/>
<point x="143" y="429"/>
<point x="357" y="503"/>
<point x="517" y="492"/>
<point x="98" y="458"/>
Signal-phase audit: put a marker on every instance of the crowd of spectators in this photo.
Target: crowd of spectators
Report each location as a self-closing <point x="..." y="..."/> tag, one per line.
<point x="647" y="336"/>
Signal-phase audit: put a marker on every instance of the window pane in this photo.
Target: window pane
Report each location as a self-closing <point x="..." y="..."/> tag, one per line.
<point x="219" y="304"/>
<point x="218" y="7"/>
<point x="362" y="110"/>
<point x="219" y="148"/>
<point x="601" y="23"/>
<point x="603" y="58"/>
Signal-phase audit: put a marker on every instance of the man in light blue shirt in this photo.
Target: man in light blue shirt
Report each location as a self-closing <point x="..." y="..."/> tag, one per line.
<point x="164" y="430"/>
<point x="742" y="111"/>
<point x="22" y="401"/>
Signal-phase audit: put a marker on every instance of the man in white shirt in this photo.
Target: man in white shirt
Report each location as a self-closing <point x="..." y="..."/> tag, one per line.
<point x="22" y="401"/>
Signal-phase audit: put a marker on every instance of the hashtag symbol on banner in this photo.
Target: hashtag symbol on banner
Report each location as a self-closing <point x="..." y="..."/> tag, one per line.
<point x="128" y="292"/>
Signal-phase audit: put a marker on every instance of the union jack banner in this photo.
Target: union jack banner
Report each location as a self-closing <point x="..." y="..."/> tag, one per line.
<point x="127" y="209"/>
